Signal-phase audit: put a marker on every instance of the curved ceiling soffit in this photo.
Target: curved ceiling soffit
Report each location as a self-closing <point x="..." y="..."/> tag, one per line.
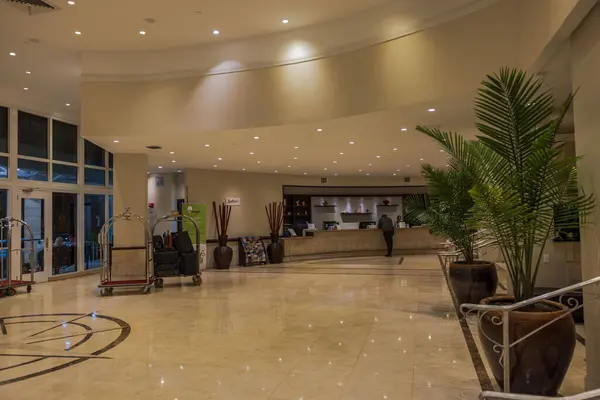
<point x="361" y="30"/>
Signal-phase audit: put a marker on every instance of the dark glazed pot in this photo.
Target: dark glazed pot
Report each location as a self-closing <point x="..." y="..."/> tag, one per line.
<point x="275" y="250"/>
<point x="539" y="363"/>
<point x="472" y="282"/>
<point x="223" y="254"/>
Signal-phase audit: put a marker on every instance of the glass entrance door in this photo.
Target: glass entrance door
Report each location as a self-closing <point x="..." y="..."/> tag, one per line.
<point x="33" y="207"/>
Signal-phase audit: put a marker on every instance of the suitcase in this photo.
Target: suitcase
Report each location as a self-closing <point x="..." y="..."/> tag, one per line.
<point x="183" y="243"/>
<point x="187" y="264"/>
<point x="166" y="257"/>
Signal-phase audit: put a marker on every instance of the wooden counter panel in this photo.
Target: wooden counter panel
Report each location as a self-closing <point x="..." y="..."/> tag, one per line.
<point x="360" y="240"/>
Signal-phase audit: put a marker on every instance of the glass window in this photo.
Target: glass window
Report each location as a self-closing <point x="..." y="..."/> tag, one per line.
<point x="94" y="177"/>
<point x="94" y="155"/>
<point x="94" y="218"/>
<point x="4" y="129"/>
<point x="110" y="178"/>
<point x="64" y="233"/>
<point x="64" y="173"/>
<point x="64" y="141"/>
<point x="30" y="170"/>
<point x="3" y="214"/>
<point x="33" y="135"/>
<point x="110" y="160"/>
<point x="110" y="215"/>
<point x="3" y="167"/>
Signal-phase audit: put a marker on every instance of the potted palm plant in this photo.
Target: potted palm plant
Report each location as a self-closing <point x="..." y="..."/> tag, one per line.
<point x="447" y="211"/>
<point x="522" y="179"/>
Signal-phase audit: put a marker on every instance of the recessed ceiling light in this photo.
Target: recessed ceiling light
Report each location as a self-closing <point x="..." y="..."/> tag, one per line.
<point x="295" y="158"/>
<point x="12" y="54"/>
<point x="395" y="149"/>
<point x="360" y="170"/>
<point x="447" y="165"/>
<point x="243" y="169"/>
<point x="368" y="173"/>
<point x="142" y="33"/>
<point x="370" y="165"/>
<point x="335" y="162"/>
<point x="325" y="169"/>
<point x="68" y="104"/>
<point x="305" y="173"/>
<point x="220" y="158"/>
<point x="71" y="2"/>
<point x="335" y="174"/>
<point x="441" y="151"/>
<point x="394" y="174"/>
<point x="276" y="171"/>
<point x="115" y="141"/>
<point x="178" y="170"/>
<point x="422" y="159"/>
<point x="256" y="137"/>
<point x="258" y="162"/>
<point x="431" y="110"/>
<point x="28" y="72"/>
<point x="341" y="154"/>
<point x="173" y="161"/>
<point x="295" y="147"/>
<point x="77" y="32"/>
<point x="171" y="152"/>
<point x="207" y="145"/>
<point x="26" y="88"/>
<point x="251" y="153"/>
<point x="289" y="166"/>
<point x="216" y="32"/>
<point x="408" y="165"/>
<point x="319" y="130"/>
<point x="284" y="21"/>
<point x="160" y="167"/>
<point x="215" y="165"/>
<point x="398" y="170"/>
<point x="378" y="156"/>
<point x="403" y="129"/>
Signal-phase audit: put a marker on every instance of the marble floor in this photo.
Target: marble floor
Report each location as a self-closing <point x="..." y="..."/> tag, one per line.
<point x="361" y="329"/>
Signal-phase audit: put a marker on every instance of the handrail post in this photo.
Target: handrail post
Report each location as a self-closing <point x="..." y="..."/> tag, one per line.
<point x="506" y="349"/>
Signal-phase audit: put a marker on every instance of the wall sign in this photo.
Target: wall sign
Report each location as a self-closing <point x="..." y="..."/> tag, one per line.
<point x="232" y="201"/>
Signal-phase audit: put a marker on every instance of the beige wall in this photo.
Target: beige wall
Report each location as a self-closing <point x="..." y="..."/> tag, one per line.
<point x="255" y="191"/>
<point x="585" y="68"/>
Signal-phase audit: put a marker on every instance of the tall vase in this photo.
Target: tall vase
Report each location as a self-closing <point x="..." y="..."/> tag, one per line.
<point x="223" y="254"/>
<point x="275" y="250"/>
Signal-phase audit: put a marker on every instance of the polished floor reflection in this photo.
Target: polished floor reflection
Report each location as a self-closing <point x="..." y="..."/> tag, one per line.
<point x="361" y="329"/>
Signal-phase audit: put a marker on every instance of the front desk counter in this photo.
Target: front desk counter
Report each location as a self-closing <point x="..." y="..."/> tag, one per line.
<point x="359" y="242"/>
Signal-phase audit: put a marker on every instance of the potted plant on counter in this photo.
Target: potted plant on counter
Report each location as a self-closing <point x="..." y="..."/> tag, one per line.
<point x="223" y="254"/>
<point x="521" y="178"/>
<point x="275" y="216"/>
<point x="447" y="211"/>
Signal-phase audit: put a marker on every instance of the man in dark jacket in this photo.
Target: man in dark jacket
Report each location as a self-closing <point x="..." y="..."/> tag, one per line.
<point x="387" y="227"/>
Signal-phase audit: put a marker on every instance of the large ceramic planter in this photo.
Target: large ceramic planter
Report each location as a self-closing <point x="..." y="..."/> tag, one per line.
<point x="223" y="254"/>
<point x="472" y="282"/>
<point x="275" y="250"/>
<point x="539" y="363"/>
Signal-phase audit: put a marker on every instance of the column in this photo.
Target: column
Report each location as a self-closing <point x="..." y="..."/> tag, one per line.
<point x="585" y="65"/>
<point x="130" y="189"/>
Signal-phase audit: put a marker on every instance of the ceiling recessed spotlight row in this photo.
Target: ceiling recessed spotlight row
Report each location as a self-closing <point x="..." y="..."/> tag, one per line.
<point x="216" y="32"/>
<point x="284" y="21"/>
<point x="71" y="2"/>
<point x="403" y="129"/>
<point x="142" y="33"/>
<point x="12" y="54"/>
<point x="77" y="32"/>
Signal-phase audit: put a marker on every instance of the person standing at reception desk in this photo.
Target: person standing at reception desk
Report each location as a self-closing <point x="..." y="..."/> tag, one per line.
<point x="387" y="227"/>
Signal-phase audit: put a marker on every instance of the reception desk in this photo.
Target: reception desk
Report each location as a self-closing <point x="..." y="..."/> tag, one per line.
<point x="359" y="242"/>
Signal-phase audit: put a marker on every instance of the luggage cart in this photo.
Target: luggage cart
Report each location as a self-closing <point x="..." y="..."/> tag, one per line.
<point x="8" y="283"/>
<point x="107" y="283"/>
<point x="197" y="274"/>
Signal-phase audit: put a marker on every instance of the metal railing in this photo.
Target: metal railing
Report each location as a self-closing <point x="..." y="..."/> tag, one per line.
<point x="591" y="395"/>
<point x="503" y="349"/>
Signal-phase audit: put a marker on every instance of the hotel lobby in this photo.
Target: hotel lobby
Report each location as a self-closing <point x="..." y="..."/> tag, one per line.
<point x="192" y="199"/>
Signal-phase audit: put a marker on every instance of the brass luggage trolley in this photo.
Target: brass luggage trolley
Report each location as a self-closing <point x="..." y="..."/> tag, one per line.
<point x="158" y="274"/>
<point x="107" y="281"/>
<point x="8" y="281"/>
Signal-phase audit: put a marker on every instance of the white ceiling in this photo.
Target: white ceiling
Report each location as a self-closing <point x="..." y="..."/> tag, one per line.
<point x="53" y="58"/>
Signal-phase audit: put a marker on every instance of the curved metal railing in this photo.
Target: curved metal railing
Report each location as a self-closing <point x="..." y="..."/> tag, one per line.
<point x="591" y="395"/>
<point x="503" y="349"/>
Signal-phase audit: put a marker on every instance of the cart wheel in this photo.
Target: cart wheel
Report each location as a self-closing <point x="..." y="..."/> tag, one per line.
<point x="159" y="283"/>
<point x="29" y="288"/>
<point x="196" y="280"/>
<point x="145" y="289"/>
<point x="11" y="291"/>
<point x="110" y="290"/>
<point x="104" y="292"/>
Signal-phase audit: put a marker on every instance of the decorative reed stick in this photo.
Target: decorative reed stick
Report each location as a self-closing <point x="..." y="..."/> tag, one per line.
<point x="222" y="217"/>
<point x="275" y="212"/>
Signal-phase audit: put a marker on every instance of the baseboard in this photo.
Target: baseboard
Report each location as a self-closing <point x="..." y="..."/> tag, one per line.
<point x="77" y="274"/>
<point x="350" y="254"/>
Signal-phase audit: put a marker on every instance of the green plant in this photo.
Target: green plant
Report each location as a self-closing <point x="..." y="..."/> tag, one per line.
<point x="522" y="179"/>
<point x="446" y="210"/>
